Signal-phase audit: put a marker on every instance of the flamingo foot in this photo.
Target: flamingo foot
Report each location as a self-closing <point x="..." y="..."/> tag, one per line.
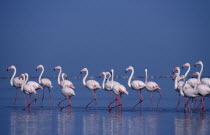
<point x="115" y="106"/>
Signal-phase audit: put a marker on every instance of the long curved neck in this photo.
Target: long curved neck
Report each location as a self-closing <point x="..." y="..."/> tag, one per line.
<point x="59" y="77"/>
<point x="84" y="79"/>
<point x="26" y="78"/>
<point x="62" y="77"/>
<point x="129" y="80"/>
<point x="104" y="81"/>
<point x="112" y="78"/>
<point x="201" y="71"/>
<point x="176" y="83"/>
<point x="11" y="80"/>
<point x="40" y="76"/>
<point x="145" y="76"/>
<point x="186" y="72"/>
<point x="108" y="80"/>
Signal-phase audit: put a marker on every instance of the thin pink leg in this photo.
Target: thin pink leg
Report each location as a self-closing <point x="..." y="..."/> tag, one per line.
<point x="140" y="100"/>
<point x="42" y="96"/>
<point x="186" y="103"/>
<point x="178" y="102"/>
<point x="50" y="97"/>
<point x="159" y="99"/>
<point x="61" y="101"/>
<point x="24" y="98"/>
<point x="120" y="103"/>
<point x="151" y="100"/>
<point x="94" y="99"/>
<point x="16" y="95"/>
<point x="35" y="98"/>
<point x="112" y="102"/>
<point x="69" y="104"/>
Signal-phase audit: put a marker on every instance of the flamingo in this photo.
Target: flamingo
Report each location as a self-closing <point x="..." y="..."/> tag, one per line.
<point x="205" y="81"/>
<point x="45" y="82"/>
<point x="28" y="89"/>
<point x="32" y="83"/>
<point x="91" y="85"/>
<point x="15" y="82"/>
<point x="202" y="89"/>
<point x="191" y="81"/>
<point x="152" y="87"/>
<point x="68" y="93"/>
<point x="63" y="83"/>
<point x="118" y="89"/>
<point x="135" y="85"/>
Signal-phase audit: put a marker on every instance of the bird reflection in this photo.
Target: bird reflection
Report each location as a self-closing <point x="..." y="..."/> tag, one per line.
<point x="189" y="124"/>
<point x="91" y="123"/>
<point x="26" y="123"/>
<point x="65" y="123"/>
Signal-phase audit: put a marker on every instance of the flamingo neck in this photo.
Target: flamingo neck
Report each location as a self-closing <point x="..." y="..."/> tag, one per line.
<point x="26" y="78"/>
<point x="145" y="77"/>
<point x="11" y="80"/>
<point x="40" y="76"/>
<point x="59" y="77"/>
<point x="188" y="70"/>
<point x="104" y="81"/>
<point x="129" y="80"/>
<point x="108" y="80"/>
<point x="84" y="79"/>
<point x="112" y="78"/>
<point x="201" y="71"/>
<point x="176" y="82"/>
<point x="62" y="77"/>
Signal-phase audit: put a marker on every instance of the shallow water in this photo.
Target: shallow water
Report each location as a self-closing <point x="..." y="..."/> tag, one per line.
<point x="97" y="119"/>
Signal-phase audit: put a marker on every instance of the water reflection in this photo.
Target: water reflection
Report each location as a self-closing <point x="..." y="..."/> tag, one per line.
<point x="91" y="123"/>
<point x="66" y="123"/>
<point x="30" y="123"/>
<point x="191" y="124"/>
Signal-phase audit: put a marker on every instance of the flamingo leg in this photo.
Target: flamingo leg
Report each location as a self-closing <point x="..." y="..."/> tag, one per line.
<point x="203" y="108"/>
<point x="69" y="103"/>
<point x="178" y="102"/>
<point x="35" y="98"/>
<point x="50" y="97"/>
<point x="186" y="103"/>
<point x="120" y="103"/>
<point x="159" y="99"/>
<point x="24" y="98"/>
<point x="61" y="101"/>
<point x="151" y="100"/>
<point x="16" y="95"/>
<point x="29" y="98"/>
<point x="42" y="96"/>
<point x="94" y="99"/>
<point x="112" y="102"/>
<point x="140" y="100"/>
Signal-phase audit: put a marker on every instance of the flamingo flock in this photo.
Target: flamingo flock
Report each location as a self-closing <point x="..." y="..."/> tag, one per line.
<point x="67" y="88"/>
<point x="194" y="89"/>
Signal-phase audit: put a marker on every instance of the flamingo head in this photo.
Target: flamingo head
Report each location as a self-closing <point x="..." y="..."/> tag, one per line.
<point x="65" y="75"/>
<point x="174" y="76"/>
<point x="58" y="67"/>
<point x="145" y="70"/>
<point x="108" y="74"/>
<point x="83" y="70"/>
<point x="21" y="76"/>
<point x="198" y="63"/>
<point x="129" y="68"/>
<point x="40" y="66"/>
<point x="11" y="67"/>
<point x="186" y="65"/>
<point x="103" y="73"/>
<point x="196" y="73"/>
<point x="175" y="69"/>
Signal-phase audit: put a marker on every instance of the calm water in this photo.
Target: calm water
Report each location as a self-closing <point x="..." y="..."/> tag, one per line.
<point x="97" y="120"/>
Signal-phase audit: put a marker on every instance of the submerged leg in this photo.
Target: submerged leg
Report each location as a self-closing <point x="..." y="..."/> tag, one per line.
<point x="159" y="99"/>
<point x="151" y="100"/>
<point x="140" y="100"/>
<point x="35" y="98"/>
<point x="24" y="98"/>
<point x="178" y="102"/>
<point x="16" y="95"/>
<point x="50" y="97"/>
<point x="112" y="102"/>
<point x="94" y="99"/>
<point x="120" y="103"/>
<point x="42" y="96"/>
<point x="69" y="103"/>
<point x="61" y="101"/>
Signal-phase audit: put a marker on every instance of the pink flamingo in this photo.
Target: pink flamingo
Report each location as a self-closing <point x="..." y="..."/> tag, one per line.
<point x="45" y="82"/>
<point x="28" y="89"/>
<point x="118" y="89"/>
<point x="202" y="89"/>
<point x="91" y="85"/>
<point x="63" y="83"/>
<point x="15" y="82"/>
<point x="135" y="85"/>
<point x="68" y="93"/>
<point x="152" y="87"/>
